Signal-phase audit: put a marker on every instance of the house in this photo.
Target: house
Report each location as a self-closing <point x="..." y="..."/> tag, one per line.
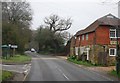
<point x="97" y="42"/>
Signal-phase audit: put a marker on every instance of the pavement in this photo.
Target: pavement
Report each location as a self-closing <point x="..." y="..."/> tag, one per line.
<point x="51" y="68"/>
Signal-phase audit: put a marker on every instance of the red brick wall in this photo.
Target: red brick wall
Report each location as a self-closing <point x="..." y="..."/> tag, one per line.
<point x="90" y="39"/>
<point x="102" y="35"/>
<point x="77" y="42"/>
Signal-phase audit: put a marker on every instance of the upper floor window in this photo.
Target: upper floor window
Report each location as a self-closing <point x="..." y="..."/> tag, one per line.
<point x="118" y="33"/>
<point x="82" y="37"/>
<point x="114" y="33"/>
<point x="86" y="36"/>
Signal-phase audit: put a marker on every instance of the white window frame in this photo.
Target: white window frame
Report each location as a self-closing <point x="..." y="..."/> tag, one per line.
<point x="86" y="36"/>
<point x="115" y="33"/>
<point x="114" y="50"/>
<point x="82" y="37"/>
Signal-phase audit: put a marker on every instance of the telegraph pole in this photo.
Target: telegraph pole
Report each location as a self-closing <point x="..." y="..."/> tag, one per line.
<point x="117" y="45"/>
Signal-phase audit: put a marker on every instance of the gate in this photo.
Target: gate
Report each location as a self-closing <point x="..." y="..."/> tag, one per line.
<point x="102" y="58"/>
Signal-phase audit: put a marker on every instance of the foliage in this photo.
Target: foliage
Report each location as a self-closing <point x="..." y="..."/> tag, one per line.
<point x="48" y="41"/>
<point x="74" y="60"/>
<point x="114" y="73"/>
<point x="16" y="20"/>
<point x="51" y="36"/>
<point x="6" y="75"/>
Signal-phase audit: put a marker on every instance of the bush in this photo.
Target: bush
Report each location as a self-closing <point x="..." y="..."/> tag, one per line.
<point x="73" y="57"/>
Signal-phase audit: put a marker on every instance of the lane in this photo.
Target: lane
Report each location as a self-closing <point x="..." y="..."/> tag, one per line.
<point x="40" y="71"/>
<point x="50" y="68"/>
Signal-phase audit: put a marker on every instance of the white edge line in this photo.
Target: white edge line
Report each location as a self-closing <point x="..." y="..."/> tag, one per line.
<point x="13" y="71"/>
<point x="26" y="74"/>
<point x="63" y="74"/>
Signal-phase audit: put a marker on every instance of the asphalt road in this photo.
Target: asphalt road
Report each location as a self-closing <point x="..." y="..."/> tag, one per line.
<point x="51" y="68"/>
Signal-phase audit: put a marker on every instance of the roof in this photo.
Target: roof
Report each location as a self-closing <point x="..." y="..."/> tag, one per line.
<point x="108" y="20"/>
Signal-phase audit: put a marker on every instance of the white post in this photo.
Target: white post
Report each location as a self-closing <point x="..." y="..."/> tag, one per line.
<point x="88" y="53"/>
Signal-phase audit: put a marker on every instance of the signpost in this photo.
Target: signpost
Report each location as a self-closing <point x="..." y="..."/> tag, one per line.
<point x="14" y="47"/>
<point x="6" y="50"/>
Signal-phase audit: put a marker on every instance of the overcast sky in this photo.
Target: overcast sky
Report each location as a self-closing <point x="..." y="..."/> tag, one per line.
<point x="82" y="12"/>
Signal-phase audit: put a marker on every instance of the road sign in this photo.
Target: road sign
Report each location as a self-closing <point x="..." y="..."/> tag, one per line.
<point x="14" y="46"/>
<point x="4" y="46"/>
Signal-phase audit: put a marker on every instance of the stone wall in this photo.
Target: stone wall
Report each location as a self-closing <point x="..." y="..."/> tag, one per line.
<point x="95" y="55"/>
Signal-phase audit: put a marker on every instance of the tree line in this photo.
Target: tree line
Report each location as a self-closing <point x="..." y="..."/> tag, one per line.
<point x="16" y="21"/>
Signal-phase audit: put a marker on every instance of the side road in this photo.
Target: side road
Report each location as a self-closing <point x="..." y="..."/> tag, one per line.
<point x="19" y="71"/>
<point x="19" y="65"/>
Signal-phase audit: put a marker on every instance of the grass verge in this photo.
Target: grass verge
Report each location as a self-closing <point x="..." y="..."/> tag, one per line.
<point x="5" y="75"/>
<point x="17" y="59"/>
<point x="114" y="73"/>
<point x="85" y="63"/>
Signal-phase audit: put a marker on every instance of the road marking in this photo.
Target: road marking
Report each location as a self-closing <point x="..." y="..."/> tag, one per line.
<point x="65" y="76"/>
<point x="27" y="73"/>
<point x="63" y="73"/>
<point x="13" y="71"/>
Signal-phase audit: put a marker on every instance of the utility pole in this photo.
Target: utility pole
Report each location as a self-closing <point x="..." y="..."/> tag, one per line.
<point x="117" y="45"/>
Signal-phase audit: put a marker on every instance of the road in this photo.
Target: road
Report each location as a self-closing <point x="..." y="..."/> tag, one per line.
<point x="51" y="68"/>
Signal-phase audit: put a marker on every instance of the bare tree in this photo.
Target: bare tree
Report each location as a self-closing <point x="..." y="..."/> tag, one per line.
<point x="17" y="12"/>
<point x="55" y="23"/>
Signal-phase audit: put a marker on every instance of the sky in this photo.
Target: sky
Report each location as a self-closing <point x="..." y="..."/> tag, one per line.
<point x="82" y="12"/>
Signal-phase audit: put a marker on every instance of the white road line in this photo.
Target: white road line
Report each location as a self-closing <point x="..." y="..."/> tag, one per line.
<point x="27" y="73"/>
<point x="63" y="73"/>
<point x="65" y="76"/>
<point x="13" y="71"/>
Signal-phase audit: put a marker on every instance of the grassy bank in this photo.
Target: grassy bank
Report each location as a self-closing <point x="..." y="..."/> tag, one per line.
<point x="85" y="63"/>
<point x="17" y="59"/>
<point x="6" y="75"/>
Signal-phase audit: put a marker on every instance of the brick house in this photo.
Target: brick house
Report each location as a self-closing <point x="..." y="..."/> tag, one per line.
<point x="97" y="42"/>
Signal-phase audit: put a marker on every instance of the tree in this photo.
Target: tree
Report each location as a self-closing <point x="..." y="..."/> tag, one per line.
<point x="55" y="24"/>
<point x="48" y="41"/>
<point x="16" y="20"/>
<point x="52" y="34"/>
<point x="17" y="12"/>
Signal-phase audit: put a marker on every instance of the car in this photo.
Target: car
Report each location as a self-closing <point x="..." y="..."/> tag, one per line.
<point x="33" y="50"/>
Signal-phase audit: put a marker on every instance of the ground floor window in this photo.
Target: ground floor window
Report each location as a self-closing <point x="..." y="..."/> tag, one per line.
<point x="112" y="52"/>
